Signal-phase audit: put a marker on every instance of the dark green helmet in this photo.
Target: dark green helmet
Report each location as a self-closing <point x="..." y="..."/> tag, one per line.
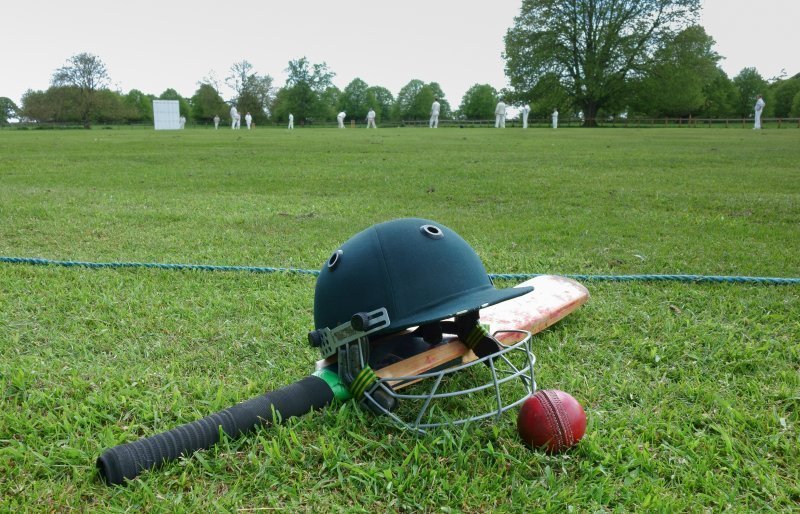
<point x="418" y="270"/>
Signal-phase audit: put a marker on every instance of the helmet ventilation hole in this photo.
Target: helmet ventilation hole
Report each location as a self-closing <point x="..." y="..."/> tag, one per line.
<point x="431" y="231"/>
<point x="334" y="259"/>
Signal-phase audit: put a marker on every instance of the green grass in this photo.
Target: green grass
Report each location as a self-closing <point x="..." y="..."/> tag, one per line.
<point x="692" y="391"/>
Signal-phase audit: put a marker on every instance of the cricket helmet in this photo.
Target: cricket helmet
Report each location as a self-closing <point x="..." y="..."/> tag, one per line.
<point x="419" y="270"/>
<point x="415" y="272"/>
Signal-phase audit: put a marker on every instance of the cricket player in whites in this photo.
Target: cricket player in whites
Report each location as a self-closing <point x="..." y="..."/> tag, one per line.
<point x="291" y="121"/>
<point x="759" y="108"/>
<point x="434" y="123"/>
<point x="236" y="118"/>
<point x="340" y="118"/>
<point x="526" y="109"/>
<point x="500" y="115"/>
<point x="555" y="118"/>
<point x="371" y="118"/>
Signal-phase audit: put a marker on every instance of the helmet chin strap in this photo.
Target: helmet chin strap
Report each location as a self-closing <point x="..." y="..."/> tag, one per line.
<point x="474" y="335"/>
<point x="468" y="329"/>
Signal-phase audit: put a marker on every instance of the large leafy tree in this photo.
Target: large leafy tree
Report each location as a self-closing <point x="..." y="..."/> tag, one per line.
<point x="57" y="104"/>
<point x="674" y="85"/>
<point x="783" y="95"/>
<point x="302" y="96"/>
<point x="329" y="99"/>
<point x="415" y="98"/>
<point x="8" y="109"/>
<point x="549" y="94"/>
<point x="354" y="99"/>
<point x="479" y="102"/>
<point x="317" y="76"/>
<point x="749" y="84"/>
<point x="140" y="105"/>
<point x="88" y="74"/>
<point x="34" y="106"/>
<point x="592" y="46"/>
<point x="207" y="103"/>
<point x="111" y="107"/>
<point x="795" y="111"/>
<point x="405" y="100"/>
<point x="719" y="96"/>
<point x="382" y="100"/>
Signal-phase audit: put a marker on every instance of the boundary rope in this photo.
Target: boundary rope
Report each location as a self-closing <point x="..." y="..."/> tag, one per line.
<point x="502" y="276"/>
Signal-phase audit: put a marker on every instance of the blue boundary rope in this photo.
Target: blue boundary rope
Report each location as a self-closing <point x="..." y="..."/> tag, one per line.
<point x="503" y="276"/>
<point x="154" y="265"/>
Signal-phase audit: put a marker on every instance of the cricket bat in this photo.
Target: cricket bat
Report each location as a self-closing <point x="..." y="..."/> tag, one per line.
<point x="552" y="298"/>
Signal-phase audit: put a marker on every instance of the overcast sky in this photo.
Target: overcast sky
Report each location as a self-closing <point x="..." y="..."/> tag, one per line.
<point x="154" y="45"/>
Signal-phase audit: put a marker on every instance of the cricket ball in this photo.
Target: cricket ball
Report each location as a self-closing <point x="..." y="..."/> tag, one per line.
<point x="552" y="420"/>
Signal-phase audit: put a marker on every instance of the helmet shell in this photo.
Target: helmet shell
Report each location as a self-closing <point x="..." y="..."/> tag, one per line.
<point x="418" y="269"/>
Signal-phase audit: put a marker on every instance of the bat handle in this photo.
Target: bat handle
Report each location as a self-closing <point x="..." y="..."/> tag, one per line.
<point x="127" y="460"/>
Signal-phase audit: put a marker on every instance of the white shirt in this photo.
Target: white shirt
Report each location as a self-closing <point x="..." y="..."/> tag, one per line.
<point x="435" y="108"/>
<point x="234" y="112"/>
<point x="760" y="105"/>
<point x="526" y="109"/>
<point x="371" y="115"/>
<point x="291" y="117"/>
<point x="341" y="115"/>
<point x="500" y="110"/>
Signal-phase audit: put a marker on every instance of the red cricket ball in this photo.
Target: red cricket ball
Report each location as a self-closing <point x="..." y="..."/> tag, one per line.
<point x="552" y="420"/>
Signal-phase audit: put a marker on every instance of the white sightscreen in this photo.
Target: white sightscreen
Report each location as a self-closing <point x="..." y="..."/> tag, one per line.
<point x="166" y="114"/>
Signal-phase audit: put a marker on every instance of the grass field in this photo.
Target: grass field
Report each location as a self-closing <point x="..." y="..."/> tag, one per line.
<point x="692" y="390"/>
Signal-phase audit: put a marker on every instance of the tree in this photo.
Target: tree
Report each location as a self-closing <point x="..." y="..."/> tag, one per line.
<point x="415" y="98"/>
<point x="34" y="106"/>
<point x="783" y="93"/>
<point x="299" y="100"/>
<point x="57" y="104"/>
<point x="749" y="84"/>
<point x="86" y="72"/>
<point x="317" y="76"/>
<point x="592" y="46"/>
<point x="207" y="103"/>
<point x="674" y="85"/>
<point x="382" y="101"/>
<point x="550" y="94"/>
<point x="258" y="97"/>
<point x="238" y="78"/>
<point x="329" y="99"/>
<point x="110" y="107"/>
<point x="405" y="99"/>
<point x="8" y="109"/>
<point x="354" y="99"/>
<point x="302" y="95"/>
<point x="479" y="102"/>
<point x="795" y="112"/>
<point x="140" y="106"/>
<point x="445" y="111"/>
<point x="720" y="96"/>
<point x="254" y="92"/>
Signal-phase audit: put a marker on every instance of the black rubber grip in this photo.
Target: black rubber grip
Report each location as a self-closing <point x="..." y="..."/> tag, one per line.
<point x="126" y="461"/>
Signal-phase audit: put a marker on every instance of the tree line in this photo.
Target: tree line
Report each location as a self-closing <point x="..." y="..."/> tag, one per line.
<point x="79" y="93"/>
<point x="592" y="59"/>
